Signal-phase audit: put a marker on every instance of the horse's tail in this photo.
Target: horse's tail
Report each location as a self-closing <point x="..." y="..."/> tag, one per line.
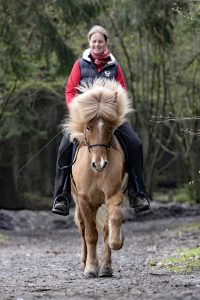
<point x="101" y="217"/>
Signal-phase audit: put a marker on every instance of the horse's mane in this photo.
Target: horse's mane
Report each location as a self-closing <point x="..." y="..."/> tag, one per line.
<point x="103" y="98"/>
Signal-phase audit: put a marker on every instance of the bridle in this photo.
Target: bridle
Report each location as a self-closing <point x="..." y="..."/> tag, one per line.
<point x="107" y="146"/>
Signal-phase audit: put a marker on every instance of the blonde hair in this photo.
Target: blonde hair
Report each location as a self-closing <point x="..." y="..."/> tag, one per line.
<point x="97" y="29"/>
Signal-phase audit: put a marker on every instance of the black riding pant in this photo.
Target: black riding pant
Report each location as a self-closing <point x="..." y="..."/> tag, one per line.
<point x="134" y="162"/>
<point x="63" y="168"/>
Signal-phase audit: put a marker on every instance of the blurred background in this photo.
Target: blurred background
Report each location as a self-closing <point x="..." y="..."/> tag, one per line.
<point x="157" y="44"/>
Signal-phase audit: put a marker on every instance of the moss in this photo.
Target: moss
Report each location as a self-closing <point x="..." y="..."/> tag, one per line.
<point x="161" y="197"/>
<point x="194" y="227"/>
<point x="186" y="194"/>
<point x="180" y="195"/>
<point x="187" y="260"/>
<point x="3" y="237"/>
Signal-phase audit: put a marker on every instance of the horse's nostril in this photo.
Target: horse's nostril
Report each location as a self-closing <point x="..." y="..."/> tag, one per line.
<point x="94" y="165"/>
<point x="105" y="164"/>
<point x="99" y="167"/>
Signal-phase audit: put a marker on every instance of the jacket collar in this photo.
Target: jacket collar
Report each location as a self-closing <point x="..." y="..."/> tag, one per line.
<point x="86" y="54"/>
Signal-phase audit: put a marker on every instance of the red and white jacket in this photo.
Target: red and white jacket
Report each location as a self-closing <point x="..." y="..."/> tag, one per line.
<point x="85" y="68"/>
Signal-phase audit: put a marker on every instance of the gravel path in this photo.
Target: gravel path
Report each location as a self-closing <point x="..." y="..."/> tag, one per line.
<point x="40" y="261"/>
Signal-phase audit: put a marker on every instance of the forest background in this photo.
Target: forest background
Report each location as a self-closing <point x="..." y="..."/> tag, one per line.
<point x="157" y="45"/>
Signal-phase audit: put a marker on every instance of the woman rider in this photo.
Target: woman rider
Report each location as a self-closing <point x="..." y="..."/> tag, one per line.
<point x="97" y="62"/>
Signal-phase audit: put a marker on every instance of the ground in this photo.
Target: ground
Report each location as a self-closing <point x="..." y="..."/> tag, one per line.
<point x="39" y="257"/>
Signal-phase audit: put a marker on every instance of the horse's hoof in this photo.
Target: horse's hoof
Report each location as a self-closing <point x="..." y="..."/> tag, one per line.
<point x="105" y="272"/>
<point x="88" y="275"/>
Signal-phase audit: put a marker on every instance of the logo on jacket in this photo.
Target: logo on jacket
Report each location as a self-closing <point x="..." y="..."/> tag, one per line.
<point x="107" y="73"/>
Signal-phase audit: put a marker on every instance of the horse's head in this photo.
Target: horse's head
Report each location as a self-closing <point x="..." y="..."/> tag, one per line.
<point x="98" y="135"/>
<point x="99" y="108"/>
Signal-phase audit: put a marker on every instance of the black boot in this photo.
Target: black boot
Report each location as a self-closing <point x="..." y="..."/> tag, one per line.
<point x="62" y="202"/>
<point x="140" y="203"/>
<point x="61" y="205"/>
<point x="62" y="191"/>
<point x="137" y="198"/>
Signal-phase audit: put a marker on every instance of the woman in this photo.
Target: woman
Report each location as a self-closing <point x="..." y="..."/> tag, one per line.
<point x="97" y="61"/>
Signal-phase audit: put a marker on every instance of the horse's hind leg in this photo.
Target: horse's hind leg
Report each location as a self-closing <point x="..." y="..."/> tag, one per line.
<point x="91" y="236"/>
<point x="105" y="266"/>
<point x="115" y="221"/>
<point x="80" y="223"/>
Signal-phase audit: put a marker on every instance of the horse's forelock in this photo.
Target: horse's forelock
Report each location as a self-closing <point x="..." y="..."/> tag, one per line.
<point x="104" y="98"/>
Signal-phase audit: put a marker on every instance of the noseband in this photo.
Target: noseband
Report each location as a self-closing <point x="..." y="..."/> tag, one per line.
<point x="107" y="146"/>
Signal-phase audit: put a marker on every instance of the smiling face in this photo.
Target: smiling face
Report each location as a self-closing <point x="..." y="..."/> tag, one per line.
<point x="97" y="43"/>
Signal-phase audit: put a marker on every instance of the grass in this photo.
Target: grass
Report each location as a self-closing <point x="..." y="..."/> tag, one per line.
<point x="182" y="231"/>
<point x="178" y="195"/>
<point x="188" y="260"/>
<point x="3" y="238"/>
<point x="194" y="227"/>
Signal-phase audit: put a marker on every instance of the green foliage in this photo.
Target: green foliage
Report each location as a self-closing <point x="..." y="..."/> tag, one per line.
<point x="156" y="44"/>
<point x="34" y="36"/>
<point x="31" y="112"/>
<point x="185" y="194"/>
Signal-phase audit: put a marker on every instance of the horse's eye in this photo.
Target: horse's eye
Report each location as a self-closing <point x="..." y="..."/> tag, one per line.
<point x="87" y="128"/>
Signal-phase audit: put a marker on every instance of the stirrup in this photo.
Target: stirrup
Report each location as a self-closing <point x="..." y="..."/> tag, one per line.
<point x="140" y="203"/>
<point x="62" y="206"/>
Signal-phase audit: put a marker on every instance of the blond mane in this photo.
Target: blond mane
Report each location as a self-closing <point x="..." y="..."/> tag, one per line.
<point x="103" y="98"/>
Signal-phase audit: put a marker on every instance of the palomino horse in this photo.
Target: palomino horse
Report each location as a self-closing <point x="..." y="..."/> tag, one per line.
<point x="98" y="171"/>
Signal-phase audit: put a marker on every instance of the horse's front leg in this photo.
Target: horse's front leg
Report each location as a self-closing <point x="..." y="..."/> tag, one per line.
<point x="105" y="266"/>
<point x="80" y="223"/>
<point x="91" y="236"/>
<point x="115" y="220"/>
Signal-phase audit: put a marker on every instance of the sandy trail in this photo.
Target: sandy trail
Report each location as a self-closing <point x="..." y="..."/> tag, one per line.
<point x="43" y="263"/>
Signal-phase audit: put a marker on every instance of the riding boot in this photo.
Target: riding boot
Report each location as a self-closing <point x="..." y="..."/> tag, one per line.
<point x="136" y="195"/>
<point x="62" y="190"/>
<point x="134" y="167"/>
<point x="62" y="201"/>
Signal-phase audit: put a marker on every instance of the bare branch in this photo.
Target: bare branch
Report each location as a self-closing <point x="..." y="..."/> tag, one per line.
<point x="163" y="147"/>
<point x="163" y="119"/>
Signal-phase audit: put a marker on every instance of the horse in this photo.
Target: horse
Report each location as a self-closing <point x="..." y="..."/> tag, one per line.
<point x="98" y="170"/>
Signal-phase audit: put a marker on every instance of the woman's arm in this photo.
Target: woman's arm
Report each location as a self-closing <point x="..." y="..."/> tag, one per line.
<point x="72" y="84"/>
<point x="120" y="77"/>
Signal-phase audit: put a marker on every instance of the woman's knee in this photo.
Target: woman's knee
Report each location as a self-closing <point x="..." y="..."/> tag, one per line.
<point x="65" y="142"/>
<point x="135" y="147"/>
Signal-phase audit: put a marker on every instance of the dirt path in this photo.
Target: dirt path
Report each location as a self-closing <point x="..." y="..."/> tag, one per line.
<point x="43" y="263"/>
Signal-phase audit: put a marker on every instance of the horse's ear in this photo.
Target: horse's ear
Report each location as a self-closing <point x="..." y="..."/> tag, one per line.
<point x="115" y="97"/>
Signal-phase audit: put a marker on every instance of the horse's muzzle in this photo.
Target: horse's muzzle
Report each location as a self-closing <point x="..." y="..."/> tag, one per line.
<point x="99" y="167"/>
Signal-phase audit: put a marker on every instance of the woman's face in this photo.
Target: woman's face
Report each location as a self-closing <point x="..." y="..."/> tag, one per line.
<point x="97" y="43"/>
